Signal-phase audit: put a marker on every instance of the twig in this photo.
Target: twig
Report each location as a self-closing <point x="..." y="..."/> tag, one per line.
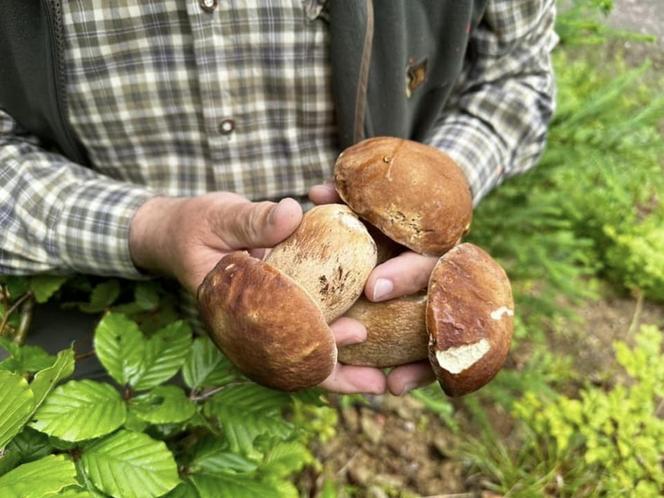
<point x="636" y="317"/>
<point x="208" y="394"/>
<point x="11" y="310"/>
<point x="83" y="356"/>
<point x="26" y="319"/>
<point x="453" y="495"/>
<point x="659" y="408"/>
<point x="348" y="463"/>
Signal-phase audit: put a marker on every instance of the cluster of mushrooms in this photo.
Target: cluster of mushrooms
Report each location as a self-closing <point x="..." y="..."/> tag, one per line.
<point x="270" y="317"/>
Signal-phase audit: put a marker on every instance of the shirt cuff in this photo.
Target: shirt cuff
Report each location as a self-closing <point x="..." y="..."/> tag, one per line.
<point x="91" y="230"/>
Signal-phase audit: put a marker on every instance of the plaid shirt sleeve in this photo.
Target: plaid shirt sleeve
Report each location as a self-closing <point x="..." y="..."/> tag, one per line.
<point x="58" y="216"/>
<point x="495" y="124"/>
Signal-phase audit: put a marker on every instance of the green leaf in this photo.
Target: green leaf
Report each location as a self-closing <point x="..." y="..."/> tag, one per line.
<point x="80" y="410"/>
<point x="102" y="296"/>
<point x="39" y="478"/>
<point x="119" y="346"/>
<point x="285" y="458"/>
<point x="24" y="359"/>
<point x="30" y="445"/>
<point x="17" y="286"/>
<point x="247" y="411"/>
<point x="212" y="457"/>
<point x="163" y="405"/>
<point x="46" y="379"/>
<point x="163" y="356"/>
<point x="146" y="296"/>
<point x="16" y="403"/>
<point x="184" y="490"/>
<point x="206" y="366"/>
<point x="76" y="492"/>
<point x="44" y="286"/>
<point x="8" y="461"/>
<point x="232" y="486"/>
<point x="131" y="465"/>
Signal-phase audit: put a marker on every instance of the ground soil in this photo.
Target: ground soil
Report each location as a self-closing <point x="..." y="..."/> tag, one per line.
<point x="396" y="447"/>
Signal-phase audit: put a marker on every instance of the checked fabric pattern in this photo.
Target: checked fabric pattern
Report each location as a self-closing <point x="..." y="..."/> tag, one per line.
<point x="171" y="98"/>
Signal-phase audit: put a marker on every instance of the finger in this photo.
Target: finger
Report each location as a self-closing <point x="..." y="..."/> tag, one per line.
<point x="405" y="274"/>
<point x="351" y="379"/>
<point x="408" y="377"/>
<point x="246" y="225"/>
<point x="348" y="331"/>
<point x="324" y="194"/>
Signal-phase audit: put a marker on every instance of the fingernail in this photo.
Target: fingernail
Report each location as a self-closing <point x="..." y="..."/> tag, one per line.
<point x="273" y="214"/>
<point x="408" y="387"/>
<point x="382" y="288"/>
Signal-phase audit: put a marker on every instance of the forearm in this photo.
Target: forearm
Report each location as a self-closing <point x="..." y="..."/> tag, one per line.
<point x="60" y="217"/>
<point x="495" y="125"/>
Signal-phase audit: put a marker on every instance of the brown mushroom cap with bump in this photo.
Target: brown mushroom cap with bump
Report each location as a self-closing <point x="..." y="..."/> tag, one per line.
<point x="396" y="332"/>
<point x="414" y="193"/>
<point x="266" y="324"/>
<point x="330" y="255"/>
<point x="469" y="319"/>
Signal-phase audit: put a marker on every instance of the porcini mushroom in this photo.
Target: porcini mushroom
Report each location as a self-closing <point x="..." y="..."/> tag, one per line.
<point x="331" y="255"/>
<point x="270" y="317"/>
<point x="463" y="324"/>
<point x="396" y="332"/>
<point x="413" y="193"/>
<point x="469" y="318"/>
<point x="266" y="324"/>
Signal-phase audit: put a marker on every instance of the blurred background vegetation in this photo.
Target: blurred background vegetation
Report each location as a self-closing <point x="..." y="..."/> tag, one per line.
<point x="577" y="412"/>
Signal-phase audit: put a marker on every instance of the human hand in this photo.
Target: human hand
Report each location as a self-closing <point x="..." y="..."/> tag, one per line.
<point x="186" y="237"/>
<point x="405" y="274"/>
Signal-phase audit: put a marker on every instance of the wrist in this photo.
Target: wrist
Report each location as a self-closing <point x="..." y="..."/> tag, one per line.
<point x="150" y="234"/>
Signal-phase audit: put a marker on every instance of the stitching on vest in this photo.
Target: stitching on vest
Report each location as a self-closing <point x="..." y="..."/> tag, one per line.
<point x="361" y="96"/>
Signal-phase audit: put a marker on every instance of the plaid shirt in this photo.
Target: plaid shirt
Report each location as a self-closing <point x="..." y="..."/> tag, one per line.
<point x="179" y="98"/>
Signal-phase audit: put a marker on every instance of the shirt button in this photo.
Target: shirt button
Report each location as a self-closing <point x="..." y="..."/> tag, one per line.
<point x="208" y="5"/>
<point x="227" y="126"/>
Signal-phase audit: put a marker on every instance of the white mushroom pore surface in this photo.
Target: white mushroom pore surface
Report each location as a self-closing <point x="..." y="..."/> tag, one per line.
<point x="457" y="359"/>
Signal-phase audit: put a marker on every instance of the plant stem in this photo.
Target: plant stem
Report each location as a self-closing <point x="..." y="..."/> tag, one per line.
<point x="26" y="319"/>
<point x="11" y="310"/>
<point x="636" y="317"/>
<point x="208" y="394"/>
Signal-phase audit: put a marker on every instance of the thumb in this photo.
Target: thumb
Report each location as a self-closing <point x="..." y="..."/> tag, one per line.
<point x="260" y="224"/>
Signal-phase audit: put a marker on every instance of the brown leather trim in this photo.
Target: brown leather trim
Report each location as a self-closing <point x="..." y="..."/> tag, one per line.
<point x="361" y="96"/>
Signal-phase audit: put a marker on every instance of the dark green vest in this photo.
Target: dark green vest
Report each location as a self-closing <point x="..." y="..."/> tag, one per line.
<point x="393" y="65"/>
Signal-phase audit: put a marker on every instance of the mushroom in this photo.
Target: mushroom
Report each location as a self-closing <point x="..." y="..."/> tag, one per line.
<point x="413" y="193"/>
<point x="469" y="318"/>
<point x="331" y="255"/>
<point x="463" y="324"/>
<point x="270" y="317"/>
<point x="396" y="332"/>
<point x="266" y="324"/>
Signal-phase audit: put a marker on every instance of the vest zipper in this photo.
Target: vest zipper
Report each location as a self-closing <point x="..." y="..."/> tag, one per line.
<point x="53" y="10"/>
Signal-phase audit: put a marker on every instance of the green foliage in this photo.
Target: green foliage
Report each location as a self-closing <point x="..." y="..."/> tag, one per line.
<point x="616" y="433"/>
<point x="215" y="434"/>
<point x="582" y="22"/>
<point x="42" y="477"/>
<point x="80" y="410"/>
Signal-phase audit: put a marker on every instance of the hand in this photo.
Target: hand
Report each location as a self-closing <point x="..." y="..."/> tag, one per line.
<point x="185" y="237"/>
<point x="405" y="274"/>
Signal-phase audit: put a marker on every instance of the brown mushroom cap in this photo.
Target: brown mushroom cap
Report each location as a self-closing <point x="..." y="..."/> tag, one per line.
<point x="266" y="324"/>
<point x="396" y="332"/>
<point x="413" y="193"/>
<point x="469" y="318"/>
<point x="331" y="255"/>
